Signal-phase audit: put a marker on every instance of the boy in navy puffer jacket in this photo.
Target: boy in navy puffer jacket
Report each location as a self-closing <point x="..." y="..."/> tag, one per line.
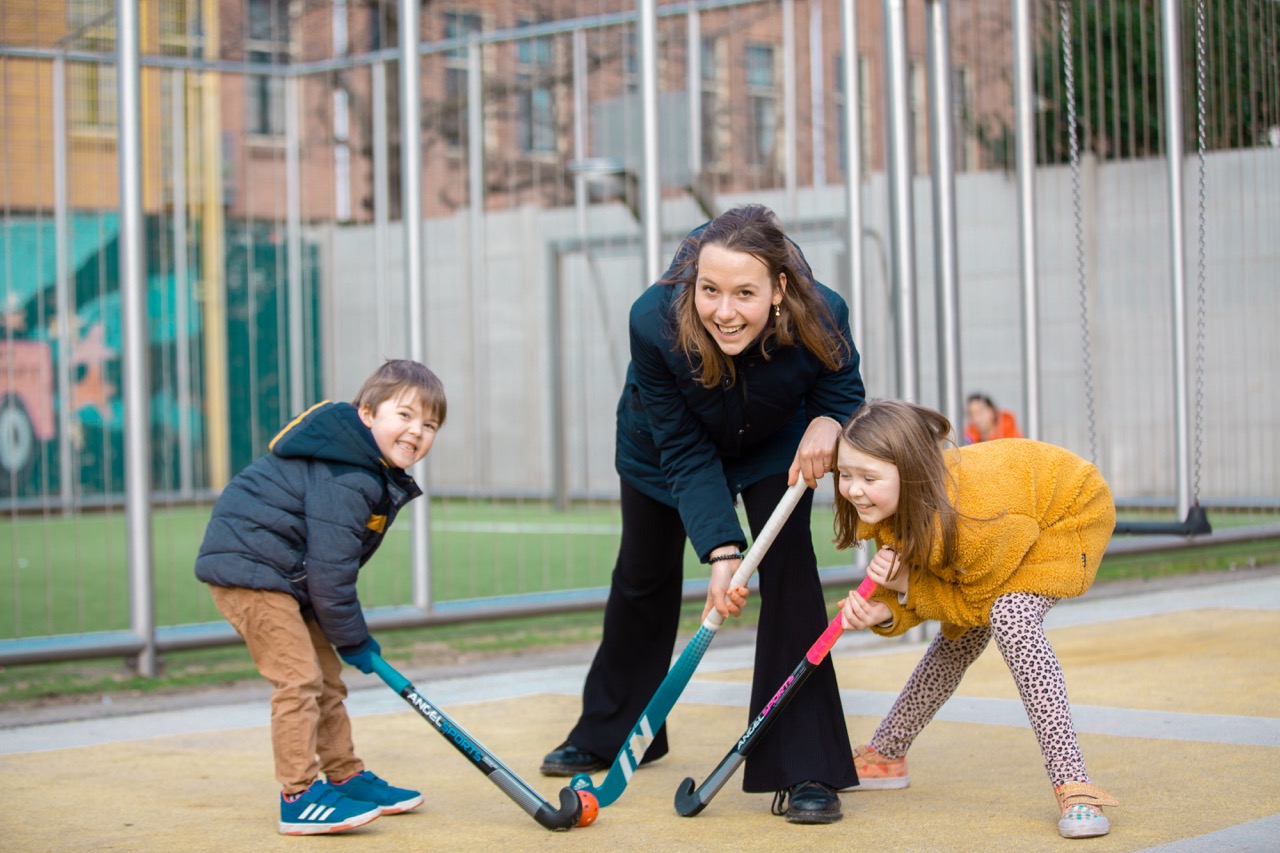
<point x="281" y="554"/>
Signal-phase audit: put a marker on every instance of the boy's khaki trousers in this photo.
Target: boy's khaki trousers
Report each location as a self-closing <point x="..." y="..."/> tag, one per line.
<point x="310" y="730"/>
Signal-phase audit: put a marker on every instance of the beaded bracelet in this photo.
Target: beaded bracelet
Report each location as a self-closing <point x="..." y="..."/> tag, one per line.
<point x="736" y="555"/>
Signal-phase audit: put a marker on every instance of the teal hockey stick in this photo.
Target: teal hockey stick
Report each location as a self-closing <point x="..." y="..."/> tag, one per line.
<point x="668" y="692"/>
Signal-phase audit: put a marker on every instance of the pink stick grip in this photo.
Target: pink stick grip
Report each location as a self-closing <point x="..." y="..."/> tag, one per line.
<point x="825" y="641"/>
<point x="822" y="646"/>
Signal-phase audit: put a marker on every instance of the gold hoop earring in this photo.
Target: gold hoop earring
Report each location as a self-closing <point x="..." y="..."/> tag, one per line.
<point x="777" y="309"/>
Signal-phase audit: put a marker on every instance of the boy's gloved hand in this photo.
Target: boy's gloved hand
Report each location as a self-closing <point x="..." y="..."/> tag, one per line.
<point x="361" y="655"/>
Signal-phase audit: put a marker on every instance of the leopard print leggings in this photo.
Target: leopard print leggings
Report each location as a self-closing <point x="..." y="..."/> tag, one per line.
<point x="1017" y="620"/>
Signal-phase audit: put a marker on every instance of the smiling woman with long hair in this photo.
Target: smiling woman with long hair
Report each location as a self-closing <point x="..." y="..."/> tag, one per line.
<point x="742" y="370"/>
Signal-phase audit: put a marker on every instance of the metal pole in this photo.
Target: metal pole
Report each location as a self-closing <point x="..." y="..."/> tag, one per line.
<point x="651" y="185"/>
<point x="555" y="322"/>
<point x="556" y="378"/>
<point x="62" y="290"/>
<point x="381" y="202"/>
<point x="901" y="208"/>
<point x="411" y="211"/>
<point x="817" y="94"/>
<point x="789" y="104"/>
<point x="580" y="125"/>
<point x="341" y="121"/>
<point x="1177" y="244"/>
<point x="478" y="288"/>
<point x="133" y="317"/>
<point x="181" y="289"/>
<point x="213" y="304"/>
<point x="293" y="244"/>
<point x="1025" y="136"/>
<point x="853" y="166"/>
<point x="946" y="274"/>
<point x="693" y="46"/>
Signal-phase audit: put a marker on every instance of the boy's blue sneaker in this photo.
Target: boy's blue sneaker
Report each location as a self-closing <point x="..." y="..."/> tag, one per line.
<point x="366" y="786"/>
<point x="321" y="809"/>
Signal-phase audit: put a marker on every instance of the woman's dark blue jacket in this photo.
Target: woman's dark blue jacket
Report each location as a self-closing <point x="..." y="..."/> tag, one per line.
<point x="304" y="517"/>
<point x="696" y="448"/>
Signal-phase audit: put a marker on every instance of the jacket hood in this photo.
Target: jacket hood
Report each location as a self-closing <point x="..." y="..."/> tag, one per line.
<point x="332" y="432"/>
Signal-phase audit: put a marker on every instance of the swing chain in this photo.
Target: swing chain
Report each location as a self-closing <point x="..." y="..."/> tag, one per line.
<point x="1200" y="245"/>
<point x="1073" y="147"/>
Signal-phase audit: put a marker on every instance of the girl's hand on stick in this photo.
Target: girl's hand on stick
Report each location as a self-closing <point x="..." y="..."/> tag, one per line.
<point x="858" y="614"/>
<point x="886" y="570"/>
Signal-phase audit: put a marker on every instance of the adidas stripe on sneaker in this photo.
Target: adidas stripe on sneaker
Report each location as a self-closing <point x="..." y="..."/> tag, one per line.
<point x="321" y="810"/>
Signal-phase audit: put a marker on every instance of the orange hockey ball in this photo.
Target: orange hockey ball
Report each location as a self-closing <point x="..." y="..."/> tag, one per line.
<point x="590" y="808"/>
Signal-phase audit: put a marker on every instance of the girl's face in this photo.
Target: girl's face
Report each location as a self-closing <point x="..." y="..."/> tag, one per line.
<point x="982" y="416"/>
<point x="872" y="485"/>
<point x="734" y="296"/>
<point x="404" y="433"/>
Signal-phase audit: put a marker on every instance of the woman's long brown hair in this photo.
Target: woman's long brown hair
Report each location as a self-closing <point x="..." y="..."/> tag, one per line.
<point x="910" y="437"/>
<point x="804" y="315"/>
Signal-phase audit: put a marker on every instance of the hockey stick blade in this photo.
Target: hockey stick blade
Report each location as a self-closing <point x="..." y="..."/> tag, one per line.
<point x="570" y="811"/>
<point x="668" y="692"/>
<point x="690" y="802"/>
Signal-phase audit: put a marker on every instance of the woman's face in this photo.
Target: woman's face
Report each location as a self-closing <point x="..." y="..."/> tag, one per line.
<point x="734" y="296"/>
<point x="872" y="485"/>
<point x="982" y="416"/>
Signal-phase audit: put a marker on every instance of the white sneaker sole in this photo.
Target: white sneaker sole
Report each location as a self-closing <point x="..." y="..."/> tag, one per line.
<point x="887" y="783"/>
<point x="329" y="828"/>
<point x="1077" y="828"/>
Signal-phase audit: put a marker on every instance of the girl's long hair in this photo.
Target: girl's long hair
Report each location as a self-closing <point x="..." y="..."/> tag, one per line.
<point x="804" y="316"/>
<point x="912" y="438"/>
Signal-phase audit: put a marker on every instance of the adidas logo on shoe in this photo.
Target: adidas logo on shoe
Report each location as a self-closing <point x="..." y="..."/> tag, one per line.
<point x="321" y="810"/>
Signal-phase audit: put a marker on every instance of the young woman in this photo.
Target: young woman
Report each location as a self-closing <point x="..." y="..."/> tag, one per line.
<point x="988" y="421"/>
<point x="985" y="539"/>
<point x="742" y="370"/>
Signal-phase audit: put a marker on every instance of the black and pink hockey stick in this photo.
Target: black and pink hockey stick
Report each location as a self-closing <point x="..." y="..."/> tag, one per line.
<point x="689" y="801"/>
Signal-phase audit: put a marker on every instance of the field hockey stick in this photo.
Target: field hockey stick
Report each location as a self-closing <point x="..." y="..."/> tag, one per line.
<point x="668" y="692"/>
<point x="688" y="801"/>
<point x="576" y="808"/>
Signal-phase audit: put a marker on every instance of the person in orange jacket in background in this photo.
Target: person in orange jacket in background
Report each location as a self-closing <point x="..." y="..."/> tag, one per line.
<point x="988" y="421"/>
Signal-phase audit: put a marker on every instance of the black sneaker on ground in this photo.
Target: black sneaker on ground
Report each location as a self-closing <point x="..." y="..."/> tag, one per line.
<point x="567" y="760"/>
<point x="811" y="802"/>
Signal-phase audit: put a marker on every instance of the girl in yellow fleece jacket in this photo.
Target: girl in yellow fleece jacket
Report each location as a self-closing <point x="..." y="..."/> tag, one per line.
<point x="985" y="539"/>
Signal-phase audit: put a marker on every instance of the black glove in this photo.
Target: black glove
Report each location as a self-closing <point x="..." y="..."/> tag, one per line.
<point x="361" y="655"/>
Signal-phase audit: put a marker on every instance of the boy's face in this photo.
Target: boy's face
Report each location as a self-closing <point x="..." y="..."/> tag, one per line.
<point x="872" y="485"/>
<point x="404" y="433"/>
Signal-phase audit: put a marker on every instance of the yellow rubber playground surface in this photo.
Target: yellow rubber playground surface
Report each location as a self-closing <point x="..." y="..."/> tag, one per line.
<point x="1176" y="691"/>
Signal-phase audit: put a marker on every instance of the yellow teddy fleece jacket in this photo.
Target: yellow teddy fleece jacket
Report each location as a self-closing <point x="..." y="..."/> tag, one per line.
<point x="1034" y="518"/>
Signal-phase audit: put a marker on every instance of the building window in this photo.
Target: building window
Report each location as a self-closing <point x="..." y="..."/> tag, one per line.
<point x="762" y="106"/>
<point x="453" y="121"/>
<point x="91" y="86"/>
<point x="715" y="116"/>
<point x="181" y="28"/>
<point x="535" y="110"/>
<point x="267" y="44"/>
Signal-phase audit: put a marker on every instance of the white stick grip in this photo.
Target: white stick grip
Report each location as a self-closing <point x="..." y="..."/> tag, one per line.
<point x="760" y="545"/>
